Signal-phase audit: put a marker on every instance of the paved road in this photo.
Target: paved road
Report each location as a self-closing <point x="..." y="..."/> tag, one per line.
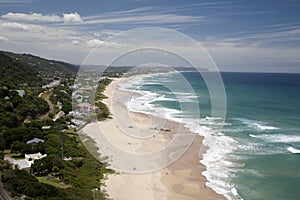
<point x="47" y="99"/>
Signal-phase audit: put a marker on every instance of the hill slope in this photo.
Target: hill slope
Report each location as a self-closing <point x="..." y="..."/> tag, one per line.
<point x="24" y="69"/>
<point x="42" y="65"/>
<point x="14" y="73"/>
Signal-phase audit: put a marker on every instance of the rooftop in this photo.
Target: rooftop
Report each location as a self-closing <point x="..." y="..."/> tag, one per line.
<point x="21" y="92"/>
<point x="46" y="127"/>
<point x="35" y="140"/>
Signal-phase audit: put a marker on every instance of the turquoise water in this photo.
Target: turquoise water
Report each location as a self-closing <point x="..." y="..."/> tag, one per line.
<point x="255" y="153"/>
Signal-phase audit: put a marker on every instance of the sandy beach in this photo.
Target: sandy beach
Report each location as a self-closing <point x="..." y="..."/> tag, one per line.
<point x="181" y="179"/>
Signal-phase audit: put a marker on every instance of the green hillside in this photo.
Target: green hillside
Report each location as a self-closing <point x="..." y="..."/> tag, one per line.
<point x="43" y="65"/>
<point x="14" y="73"/>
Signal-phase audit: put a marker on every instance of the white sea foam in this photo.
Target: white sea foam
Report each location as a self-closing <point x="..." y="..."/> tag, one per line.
<point x="149" y="83"/>
<point x="221" y="186"/>
<point x="251" y="148"/>
<point x="179" y="99"/>
<point x="262" y="127"/>
<point x="213" y="121"/>
<point x="254" y="136"/>
<point x="235" y="192"/>
<point x="277" y="138"/>
<point x="293" y="150"/>
<point x="218" y="169"/>
<point x="183" y="96"/>
<point x="258" y="125"/>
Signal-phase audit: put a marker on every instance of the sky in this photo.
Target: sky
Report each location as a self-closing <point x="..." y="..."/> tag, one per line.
<point x="238" y="35"/>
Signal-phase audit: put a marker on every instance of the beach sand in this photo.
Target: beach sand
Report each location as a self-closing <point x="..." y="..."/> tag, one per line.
<point x="178" y="181"/>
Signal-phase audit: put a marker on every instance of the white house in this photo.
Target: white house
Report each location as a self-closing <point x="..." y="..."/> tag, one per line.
<point x="34" y="156"/>
<point x="26" y="163"/>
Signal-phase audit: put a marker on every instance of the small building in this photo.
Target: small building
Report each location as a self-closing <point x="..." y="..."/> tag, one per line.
<point x="44" y="128"/>
<point x="77" y="97"/>
<point x="87" y="107"/>
<point x="21" y="93"/>
<point x="34" y="156"/>
<point x="68" y="159"/>
<point x="35" y="141"/>
<point x="24" y="164"/>
<point x="75" y="86"/>
<point x="59" y="105"/>
<point x="58" y="115"/>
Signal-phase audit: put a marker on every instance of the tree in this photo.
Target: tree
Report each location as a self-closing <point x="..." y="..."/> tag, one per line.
<point x="18" y="147"/>
<point x="3" y="92"/>
<point x="46" y="165"/>
<point x="9" y="120"/>
<point x="20" y="182"/>
<point x="16" y="100"/>
<point x="32" y="107"/>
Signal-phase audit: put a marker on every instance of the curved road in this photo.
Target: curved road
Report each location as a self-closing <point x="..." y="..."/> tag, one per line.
<point x="47" y="99"/>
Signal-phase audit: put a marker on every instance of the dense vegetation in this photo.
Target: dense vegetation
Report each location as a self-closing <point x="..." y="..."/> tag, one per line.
<point x="80" y="175"/>
<point x="63" y="95"/>
<point x="52" y="177"/>
<point x="14" y="73"/>
<point x="42" y="65"/>
<point x="14" y="108"/>
<point x="103" y="111"/>
<point x="20" y="181"/>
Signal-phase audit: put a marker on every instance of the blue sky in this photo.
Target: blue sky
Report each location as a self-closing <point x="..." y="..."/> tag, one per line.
<point x="239" y="35"/>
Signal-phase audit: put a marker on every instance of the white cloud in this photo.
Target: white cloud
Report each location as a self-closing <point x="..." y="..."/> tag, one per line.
<point x="276" y="36"/>
<point x="40" y="31"/>
<point x="72" y="18"/>
<point x="279" y="37"/>
<point x="144" y="15"/>
<point x="106" y="33"/>
<point x="3" y="38"/>
<point x="75" y="42"/>
<point x="17" y="26"/>
<point x="94" y="43"/>
<point x="32" y="17"/>
<point x="146" y="19"/>
<point x="38" y="17"/>
<point x="116" y="17"/>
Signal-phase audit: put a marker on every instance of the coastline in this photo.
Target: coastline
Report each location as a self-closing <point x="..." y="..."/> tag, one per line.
<point x="182" y="179"/>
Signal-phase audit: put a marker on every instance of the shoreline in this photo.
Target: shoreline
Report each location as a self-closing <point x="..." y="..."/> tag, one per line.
<point x="182" y="179"/>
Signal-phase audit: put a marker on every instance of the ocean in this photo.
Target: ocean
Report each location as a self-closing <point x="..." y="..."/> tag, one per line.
<point x="255" y="153"/>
